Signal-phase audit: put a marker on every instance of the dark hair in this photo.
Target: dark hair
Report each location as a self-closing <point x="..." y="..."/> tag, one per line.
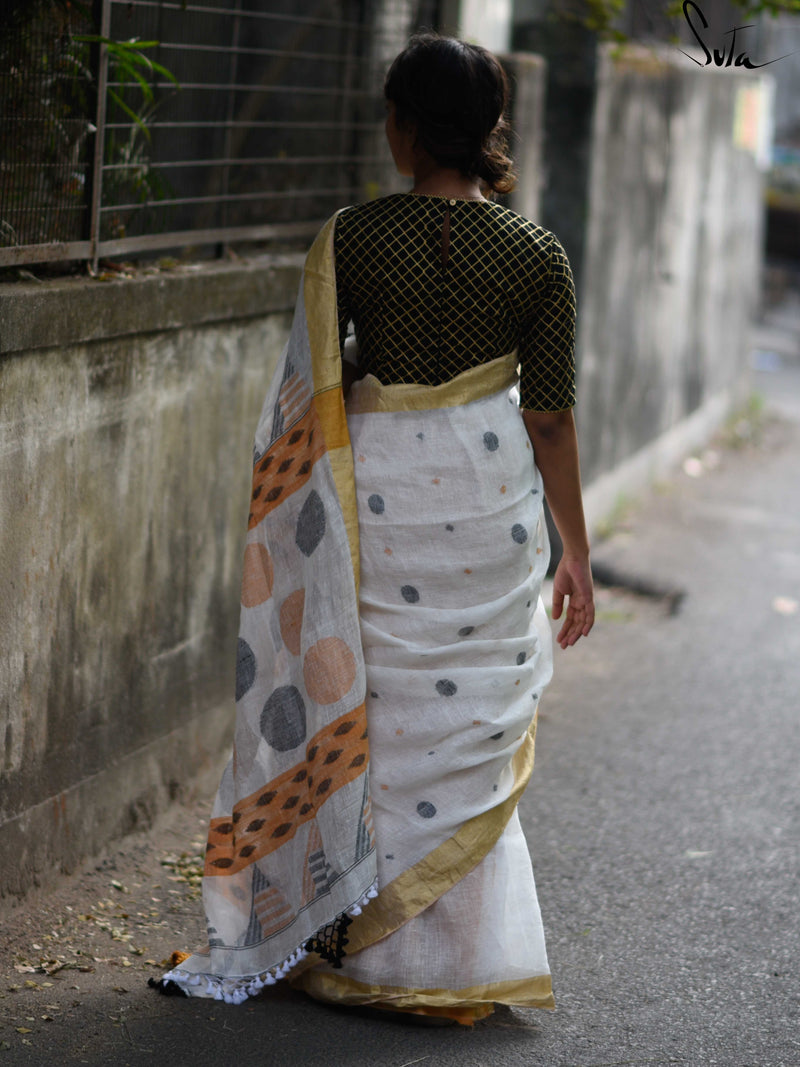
<point x="456" y="95"/>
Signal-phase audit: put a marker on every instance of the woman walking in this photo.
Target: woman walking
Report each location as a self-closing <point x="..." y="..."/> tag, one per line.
<point x="393" y="649"/>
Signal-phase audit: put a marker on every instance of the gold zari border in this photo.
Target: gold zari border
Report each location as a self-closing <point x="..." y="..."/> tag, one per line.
<point x="368" y="395"/>
<point x="421" y="885"/>
<point x="336" y="988"/>
<point x="319" y="296"/>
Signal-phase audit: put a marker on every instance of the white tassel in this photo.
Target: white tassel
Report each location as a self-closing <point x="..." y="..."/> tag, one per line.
<point x="237" y="991"/>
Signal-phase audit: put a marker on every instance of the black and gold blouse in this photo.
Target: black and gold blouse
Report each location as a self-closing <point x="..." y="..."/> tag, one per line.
<point x="435" y="286"/>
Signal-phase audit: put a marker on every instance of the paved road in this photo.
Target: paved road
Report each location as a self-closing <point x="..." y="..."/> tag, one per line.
<point x="663" y="822"/>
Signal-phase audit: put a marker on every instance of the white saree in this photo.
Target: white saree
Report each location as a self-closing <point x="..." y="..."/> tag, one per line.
<point x="393" y="645"/>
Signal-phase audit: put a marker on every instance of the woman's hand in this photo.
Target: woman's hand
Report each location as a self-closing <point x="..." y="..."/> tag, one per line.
<point x="573" y="580"/>
<point x="555" y="449"/>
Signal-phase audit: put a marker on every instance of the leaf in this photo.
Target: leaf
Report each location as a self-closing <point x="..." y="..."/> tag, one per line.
<point x="24" y="1030"/>
<point x="144" y="85"/>
<point x="128" y="111"/>
<point x="166" y="73"/>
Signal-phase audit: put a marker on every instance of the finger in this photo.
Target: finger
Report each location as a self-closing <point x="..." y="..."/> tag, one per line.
<point x="566" y="633"/>
<point x="578" y="623"/>
<point x="558" y="604"/>
<point x="571" y="636"/>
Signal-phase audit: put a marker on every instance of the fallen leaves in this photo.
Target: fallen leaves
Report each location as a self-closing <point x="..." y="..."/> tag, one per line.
<point x="51" y="967"/>
<point x="116" y="924"/>
<point x="188" y="869"/>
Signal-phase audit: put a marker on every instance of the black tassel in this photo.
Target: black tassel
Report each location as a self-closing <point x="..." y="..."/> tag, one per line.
<point x="329" y="942"/>
<point x="167" y="987"/>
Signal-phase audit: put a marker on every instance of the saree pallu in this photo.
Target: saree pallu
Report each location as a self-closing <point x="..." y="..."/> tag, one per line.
<point x="392" y="653"/>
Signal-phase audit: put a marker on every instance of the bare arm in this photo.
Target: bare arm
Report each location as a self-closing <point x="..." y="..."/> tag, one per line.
<point x="555" y="448"/>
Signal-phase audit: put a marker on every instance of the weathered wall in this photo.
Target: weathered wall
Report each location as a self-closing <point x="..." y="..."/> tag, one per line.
<point x="673" y="252"/>
<point x="527" y="75"/>
<point x="569" y="53"/>
<point x="775" y="37"/>
<point x="127" y="412"/>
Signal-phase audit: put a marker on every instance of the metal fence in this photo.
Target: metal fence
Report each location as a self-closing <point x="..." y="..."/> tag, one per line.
<point x="248" y="120"/>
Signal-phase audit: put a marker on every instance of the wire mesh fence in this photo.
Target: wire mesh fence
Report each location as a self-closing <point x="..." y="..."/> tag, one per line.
<point x="46" y="135"/>
<point x="129" y="126"/>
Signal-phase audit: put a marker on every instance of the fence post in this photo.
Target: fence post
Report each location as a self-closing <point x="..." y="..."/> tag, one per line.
<point x="102" y="19"/>
<point x="230" y="115"/>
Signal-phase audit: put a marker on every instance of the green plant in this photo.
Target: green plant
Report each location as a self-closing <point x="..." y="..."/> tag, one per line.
<point x="745" y="425"/>
<point x="602" y="16"/>
<point x="748" y="7"/>
<point x="48" y="90"/>
<point x="126" y="61"/>
<point x="129" y="175"/>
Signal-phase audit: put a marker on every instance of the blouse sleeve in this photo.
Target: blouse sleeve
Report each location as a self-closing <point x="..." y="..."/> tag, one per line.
<point x="547" y="344"/>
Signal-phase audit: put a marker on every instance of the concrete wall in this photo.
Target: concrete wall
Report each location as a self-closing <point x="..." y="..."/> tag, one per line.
<point x="127" y="411"/>
<point x="651" y="182"/>
<point x="569" y="76"/>
<point x="527" y="75"/>
<point x="673" y="251"/>
<point x="780" y="36"/>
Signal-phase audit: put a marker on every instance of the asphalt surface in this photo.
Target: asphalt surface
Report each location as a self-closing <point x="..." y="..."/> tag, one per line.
<point x="662" y="819"/>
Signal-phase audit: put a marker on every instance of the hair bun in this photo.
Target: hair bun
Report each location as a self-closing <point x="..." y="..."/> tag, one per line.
<point x="495" y="166"/>
<point x="455" y="94"/>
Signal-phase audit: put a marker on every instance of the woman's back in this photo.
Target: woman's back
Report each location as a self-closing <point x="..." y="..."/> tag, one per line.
<point x="435" y="285"/>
